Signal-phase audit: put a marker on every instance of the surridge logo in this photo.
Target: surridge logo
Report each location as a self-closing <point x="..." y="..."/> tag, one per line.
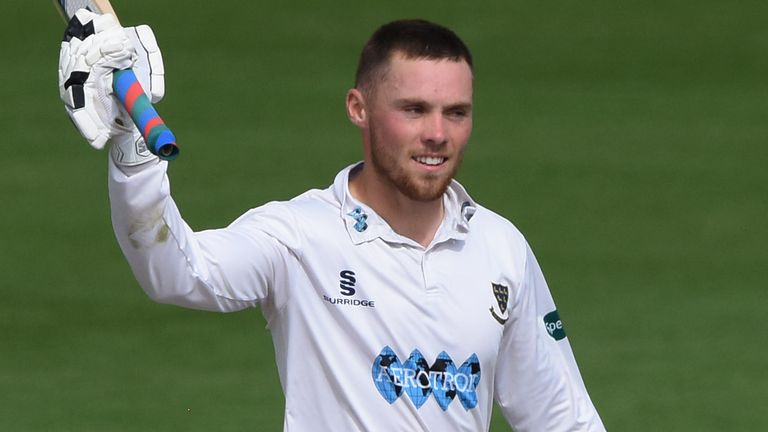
<point x="419" y="380"/>
<point x="347" y="282"/>
<point x="347" y="287"/>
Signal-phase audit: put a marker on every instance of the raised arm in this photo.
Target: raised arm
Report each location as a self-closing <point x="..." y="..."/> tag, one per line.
<point x="221" y="270"/>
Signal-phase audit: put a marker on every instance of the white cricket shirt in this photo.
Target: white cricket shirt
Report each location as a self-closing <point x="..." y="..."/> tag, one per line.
<point x="372" y="331"/>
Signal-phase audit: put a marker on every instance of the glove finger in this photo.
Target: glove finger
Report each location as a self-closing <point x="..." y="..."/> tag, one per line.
<point x="78" y="47"/>
<point x="78" y="53"/>
<point x="158" y="88"/>
<point x="113" y="44"/>
<point x="100" y="142"/>
<point x="89" y="129"/>
<point x="71" y="85"/>
<point x="65" y="59"/>
<point x="104" y="22"/>
<point x="149" y="66"/>
<point x="149" y="43"/>
<point x="72" y="94"/>
<point x="85" y="16"/>
<point x="110" y="48"/>
<point x="80" y="26"/>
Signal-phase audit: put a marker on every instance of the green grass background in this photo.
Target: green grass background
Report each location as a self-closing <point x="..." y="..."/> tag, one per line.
<point x="626" y="140"/>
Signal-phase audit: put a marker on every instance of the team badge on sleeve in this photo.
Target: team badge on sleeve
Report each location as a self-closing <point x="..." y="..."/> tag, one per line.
<point x="501" y="293"/>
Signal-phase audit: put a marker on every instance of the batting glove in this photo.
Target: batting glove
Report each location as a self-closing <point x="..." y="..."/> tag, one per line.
<point x="92" y="48"/>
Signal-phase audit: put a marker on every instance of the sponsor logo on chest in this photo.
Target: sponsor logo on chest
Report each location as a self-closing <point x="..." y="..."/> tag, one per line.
<point x="347" y="292"/>
<point x="419" y="380"/>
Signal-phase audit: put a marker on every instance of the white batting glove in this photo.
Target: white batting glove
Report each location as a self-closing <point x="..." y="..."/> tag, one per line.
<point x="93" y="47"/>
<point x="131" y="150"/>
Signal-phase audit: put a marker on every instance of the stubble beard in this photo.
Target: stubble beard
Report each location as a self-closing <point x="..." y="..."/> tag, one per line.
<point x="425" y="188"/>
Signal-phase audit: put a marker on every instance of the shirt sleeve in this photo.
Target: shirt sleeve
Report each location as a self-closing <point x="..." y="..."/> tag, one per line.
<point x="222" y="270"/>
<point x="538" y="384"/>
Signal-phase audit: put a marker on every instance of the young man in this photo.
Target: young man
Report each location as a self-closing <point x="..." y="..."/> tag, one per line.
<point x="396" y="302"/>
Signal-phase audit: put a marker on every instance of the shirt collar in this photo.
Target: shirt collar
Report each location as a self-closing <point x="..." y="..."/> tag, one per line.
<point x="363" y="224"/>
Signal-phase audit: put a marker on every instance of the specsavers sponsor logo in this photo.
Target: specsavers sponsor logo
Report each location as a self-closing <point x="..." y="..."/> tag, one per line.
<point x="554" y="325"/>
<point x="419" y="380"/>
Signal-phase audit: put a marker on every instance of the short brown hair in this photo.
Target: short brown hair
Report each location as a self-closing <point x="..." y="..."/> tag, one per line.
<point x="415" y="39"/>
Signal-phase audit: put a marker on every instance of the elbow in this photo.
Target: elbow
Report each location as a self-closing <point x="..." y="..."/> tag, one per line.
<point x="199" y="298"/>
<point x="163" y="296"/>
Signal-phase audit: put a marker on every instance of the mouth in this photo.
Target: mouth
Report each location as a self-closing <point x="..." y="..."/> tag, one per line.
<point x="431" y="161"/>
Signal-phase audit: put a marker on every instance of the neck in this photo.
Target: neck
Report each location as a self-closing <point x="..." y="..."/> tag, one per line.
<point x="416" y="220"/>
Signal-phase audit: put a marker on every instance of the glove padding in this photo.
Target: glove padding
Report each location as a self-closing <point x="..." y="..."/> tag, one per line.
<point x="93" y="47"/>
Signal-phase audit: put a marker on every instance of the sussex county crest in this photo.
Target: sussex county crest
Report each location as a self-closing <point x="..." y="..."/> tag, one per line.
<point x="501" y="293"/>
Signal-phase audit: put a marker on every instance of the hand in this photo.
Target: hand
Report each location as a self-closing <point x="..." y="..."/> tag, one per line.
<point x="93" y="47"/>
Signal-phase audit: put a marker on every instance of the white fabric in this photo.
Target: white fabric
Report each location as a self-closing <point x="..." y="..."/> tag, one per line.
<point x="294" y="259"/>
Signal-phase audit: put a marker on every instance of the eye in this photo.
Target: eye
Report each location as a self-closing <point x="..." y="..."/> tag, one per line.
<point x="414" y="109"/>
<point x="458" y="113"/>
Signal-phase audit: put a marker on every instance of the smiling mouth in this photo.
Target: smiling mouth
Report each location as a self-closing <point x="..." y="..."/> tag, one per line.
<point x="429" y="160"/>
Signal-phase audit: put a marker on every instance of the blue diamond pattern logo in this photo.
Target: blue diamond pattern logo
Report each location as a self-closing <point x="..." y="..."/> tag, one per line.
<point x="416" y="374"/>
<point x="383" y="375"/>
<point x="442" y="385"/>
<point x="419" y="380"/>
<point x="467" y="393"/>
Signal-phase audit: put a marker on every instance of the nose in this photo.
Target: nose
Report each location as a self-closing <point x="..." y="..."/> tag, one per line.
<point x="434" y="130"/>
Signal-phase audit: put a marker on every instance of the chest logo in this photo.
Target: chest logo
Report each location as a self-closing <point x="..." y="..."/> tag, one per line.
<point x="348" y="289"/>
<point x="501" y="293"/>
<point x="443" y="380"/>
<point x="347" y="282"/>
<point x="360" y="219"/>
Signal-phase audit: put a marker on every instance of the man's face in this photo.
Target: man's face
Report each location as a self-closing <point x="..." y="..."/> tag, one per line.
<point x="419" y="121"/>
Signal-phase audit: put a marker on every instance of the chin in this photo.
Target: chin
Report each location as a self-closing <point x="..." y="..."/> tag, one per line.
<point x="425" y="191"/>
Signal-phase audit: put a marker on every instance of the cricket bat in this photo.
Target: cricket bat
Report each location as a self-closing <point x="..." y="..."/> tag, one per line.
<point x="158" y="137"/>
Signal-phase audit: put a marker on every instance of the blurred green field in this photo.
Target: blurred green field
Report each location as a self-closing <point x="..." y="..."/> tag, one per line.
<point x="625" y="139"/>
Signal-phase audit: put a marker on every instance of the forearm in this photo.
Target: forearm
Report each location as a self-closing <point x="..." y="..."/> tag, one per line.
<point x="164" y="254"/>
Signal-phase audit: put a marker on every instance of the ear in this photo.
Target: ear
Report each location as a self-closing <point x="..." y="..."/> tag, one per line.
<point x="356" y="110"/>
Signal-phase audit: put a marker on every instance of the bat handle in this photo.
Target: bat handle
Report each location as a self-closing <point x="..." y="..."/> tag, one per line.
<point x="160" y="140"/>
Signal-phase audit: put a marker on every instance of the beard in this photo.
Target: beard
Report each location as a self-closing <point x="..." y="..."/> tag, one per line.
<point x="418" y="187"/>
